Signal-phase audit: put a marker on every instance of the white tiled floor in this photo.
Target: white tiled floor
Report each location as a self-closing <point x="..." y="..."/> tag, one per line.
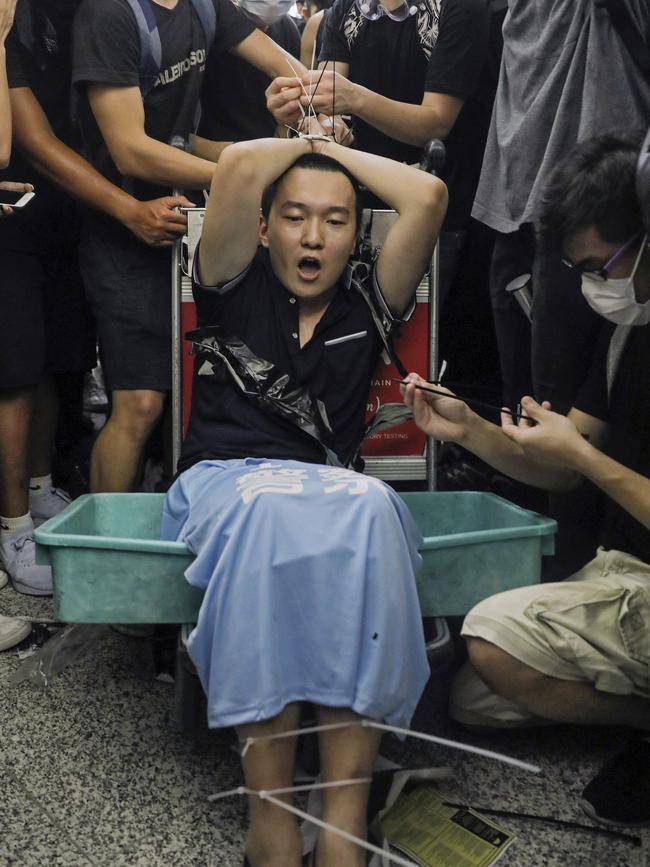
<point x="93" y="774"/>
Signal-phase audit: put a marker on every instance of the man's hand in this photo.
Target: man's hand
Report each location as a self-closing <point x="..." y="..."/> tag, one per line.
<point x="7" y="9"/>
<point x="339" y="129"/>
<point x="283" y="100"/>
<point x="156" y="222"/>
<point x="554" y="439"/>
<point x="6" y="210"/>
<point x="442" y="418"/>
<point x="329" y="93"/>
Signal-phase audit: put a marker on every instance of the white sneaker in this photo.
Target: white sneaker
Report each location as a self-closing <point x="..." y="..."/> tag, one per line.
<point x="47" y="504"/>
<point x="18" y="556"/>
<point x="12" y="631"/>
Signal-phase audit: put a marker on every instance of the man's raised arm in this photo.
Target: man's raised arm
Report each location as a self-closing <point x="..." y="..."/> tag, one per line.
<point x="231" y="227"/>
<point x="420" y="201"/>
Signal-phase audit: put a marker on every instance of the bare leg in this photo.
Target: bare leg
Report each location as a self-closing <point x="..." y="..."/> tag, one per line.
<point x="15" y="415"/>
<point x="117" y="453"/>
<point x="346" y="754"/>
<point x="273" y="839"/>
<point x="564" y="701"/>
<point x="43" y="429"/>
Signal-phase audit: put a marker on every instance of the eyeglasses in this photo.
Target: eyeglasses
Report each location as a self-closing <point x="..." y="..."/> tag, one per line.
<point x="601" y="274"/>
<point x="372" y="10"/>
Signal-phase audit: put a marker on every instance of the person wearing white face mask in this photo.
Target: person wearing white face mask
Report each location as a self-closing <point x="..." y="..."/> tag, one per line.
<point x="578" y="651"/>
<point x="616" y="298"/>
<point x="233" y="104"/>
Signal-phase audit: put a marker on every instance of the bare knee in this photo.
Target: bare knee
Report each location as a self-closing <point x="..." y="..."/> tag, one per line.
<point x="503" y="673"/>
<point x="137" y="411"/>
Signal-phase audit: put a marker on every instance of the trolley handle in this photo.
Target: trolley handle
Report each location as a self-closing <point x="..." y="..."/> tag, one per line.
<point x="434" y="154"/>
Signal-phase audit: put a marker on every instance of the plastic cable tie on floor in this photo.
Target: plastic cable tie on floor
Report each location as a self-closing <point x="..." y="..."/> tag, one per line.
<point x="66" y="647"/>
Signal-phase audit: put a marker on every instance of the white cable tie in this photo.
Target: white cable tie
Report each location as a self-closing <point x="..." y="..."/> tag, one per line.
<point x="315" y="136"/>
<point x="396" y="859"/>
<point x="308" y="787"/>
<point x="247" y="745"/>
<point x="458" y="745"/>
<point x="313" y="53"/>
<point x="301" y="84"/>
<point x="240" y="790"/>
<point x="295" y="732"/>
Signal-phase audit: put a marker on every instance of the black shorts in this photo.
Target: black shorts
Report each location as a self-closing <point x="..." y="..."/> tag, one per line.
<point x="128" y="286"/>
<point x="45" y="323"/>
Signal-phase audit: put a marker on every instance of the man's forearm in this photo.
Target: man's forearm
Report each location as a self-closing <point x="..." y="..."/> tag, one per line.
<point x="260" y="161"/>
<point x="157" y="163"/>
<point x="402" y="187"/>
<point x="403" y="121"/>
<point x="70" y="171"/>
<point x="207" y="149"/>
<point x="628" y="488"/>
<point x="488" y="442"/>
<point x="261" y="51"/>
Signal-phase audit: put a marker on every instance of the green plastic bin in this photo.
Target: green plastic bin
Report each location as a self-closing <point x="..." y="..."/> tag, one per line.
<point x="475" y="545"/>
<point x="110" y="566"/>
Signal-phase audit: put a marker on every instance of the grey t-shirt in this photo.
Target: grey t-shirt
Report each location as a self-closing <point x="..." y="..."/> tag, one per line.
<point x="565" y="76"/>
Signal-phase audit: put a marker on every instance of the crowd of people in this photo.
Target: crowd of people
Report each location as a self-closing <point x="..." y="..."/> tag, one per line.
<point x="121" y="115"/>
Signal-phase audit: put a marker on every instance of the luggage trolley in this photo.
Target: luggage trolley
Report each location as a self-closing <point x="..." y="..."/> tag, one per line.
<point x="402" y="453"/>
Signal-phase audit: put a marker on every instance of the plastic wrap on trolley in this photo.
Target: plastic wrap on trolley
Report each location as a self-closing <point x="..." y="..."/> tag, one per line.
<point x="264" y="384"/>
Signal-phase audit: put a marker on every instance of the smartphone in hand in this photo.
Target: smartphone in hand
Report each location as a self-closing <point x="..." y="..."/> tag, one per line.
<point x="15" y="198"/>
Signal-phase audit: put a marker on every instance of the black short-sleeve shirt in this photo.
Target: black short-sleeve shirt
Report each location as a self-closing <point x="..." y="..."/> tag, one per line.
<point x="233" y="101"/>
<point x="107" y="51"/>
<point x="38" y="58"/>
<point x="257" y="308"/>
<point x="440" y="49"/>
<point x="627" y="411"/>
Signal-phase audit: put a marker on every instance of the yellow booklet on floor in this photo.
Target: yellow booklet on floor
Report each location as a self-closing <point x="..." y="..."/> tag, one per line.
<point x="421" y="825"/>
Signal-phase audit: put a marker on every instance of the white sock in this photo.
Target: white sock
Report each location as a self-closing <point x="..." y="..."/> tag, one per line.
<point x="12" y="527"/>
<point x="40" y="485"/>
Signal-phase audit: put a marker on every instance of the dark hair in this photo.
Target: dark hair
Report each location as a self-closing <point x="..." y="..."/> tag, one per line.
<point x="593" y="186"/>
<point x="319" y="163"/>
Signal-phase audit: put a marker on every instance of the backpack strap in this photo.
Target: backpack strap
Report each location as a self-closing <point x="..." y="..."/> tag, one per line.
<point x="208" y="18"/>
<point x="150" y="47"/>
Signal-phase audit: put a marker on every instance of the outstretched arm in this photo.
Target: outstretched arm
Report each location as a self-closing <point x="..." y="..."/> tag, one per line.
<point x="413" y="124"/>
<point x="548" y="455"/>
<point x="420" y="201"/>
<point x="154" y="222"/>
<point x="231" y="227"/>
<point x="261" y="51"/>
<point x="7" y="9"/>
<point x="556" y="441"/>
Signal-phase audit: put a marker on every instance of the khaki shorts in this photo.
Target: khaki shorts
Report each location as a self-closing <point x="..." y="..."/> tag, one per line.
<point x="594" y="627"/>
